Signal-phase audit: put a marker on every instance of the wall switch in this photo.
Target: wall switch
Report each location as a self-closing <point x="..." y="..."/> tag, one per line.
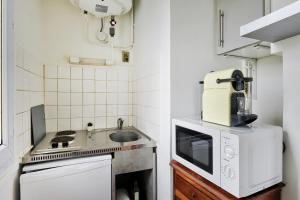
<point x="125" y="56"/>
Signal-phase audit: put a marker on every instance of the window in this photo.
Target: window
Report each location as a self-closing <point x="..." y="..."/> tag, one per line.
<point x="6" y="84"/>
<point x="1" y="74"/>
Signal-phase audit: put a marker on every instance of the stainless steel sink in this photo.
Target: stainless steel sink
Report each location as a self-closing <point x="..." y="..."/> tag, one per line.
<point x="124" y="136"/>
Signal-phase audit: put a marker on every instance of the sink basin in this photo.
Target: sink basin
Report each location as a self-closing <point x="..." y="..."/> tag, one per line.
<point x="124" y="136"/>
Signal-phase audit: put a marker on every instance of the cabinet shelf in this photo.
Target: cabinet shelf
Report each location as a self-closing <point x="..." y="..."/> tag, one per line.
<point x="281" y="24"/>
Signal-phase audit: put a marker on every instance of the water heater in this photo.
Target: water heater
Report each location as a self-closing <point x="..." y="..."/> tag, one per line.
<point x="104" y="8"/>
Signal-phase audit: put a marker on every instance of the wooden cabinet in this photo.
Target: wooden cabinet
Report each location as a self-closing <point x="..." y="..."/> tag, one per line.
<point x="190" y="186"/>
<point x="232" y="14"/>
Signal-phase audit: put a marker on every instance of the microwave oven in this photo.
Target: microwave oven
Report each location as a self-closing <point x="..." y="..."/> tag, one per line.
<point x="240" y="160"/>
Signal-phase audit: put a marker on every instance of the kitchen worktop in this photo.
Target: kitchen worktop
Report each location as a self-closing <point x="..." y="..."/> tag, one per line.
<point x="86" y="143"/>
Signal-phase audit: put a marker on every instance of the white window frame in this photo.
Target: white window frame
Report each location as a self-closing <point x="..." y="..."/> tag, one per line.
<point x="8" y="89"/>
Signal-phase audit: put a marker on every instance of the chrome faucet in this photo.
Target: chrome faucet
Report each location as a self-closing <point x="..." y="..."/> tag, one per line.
<point x="120" y="123"/>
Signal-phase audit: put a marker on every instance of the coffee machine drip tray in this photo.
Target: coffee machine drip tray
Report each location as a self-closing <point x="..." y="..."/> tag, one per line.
<point x="243" y="120"/>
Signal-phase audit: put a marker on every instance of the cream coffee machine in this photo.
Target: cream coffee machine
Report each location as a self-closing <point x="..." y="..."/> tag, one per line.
<point x="227" y="98"/>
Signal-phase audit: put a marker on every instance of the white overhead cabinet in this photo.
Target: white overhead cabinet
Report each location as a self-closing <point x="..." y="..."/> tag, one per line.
<point x="232" y="14"/>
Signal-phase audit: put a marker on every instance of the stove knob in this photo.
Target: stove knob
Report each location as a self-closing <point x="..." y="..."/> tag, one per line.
<point x="54" y="145"/>
<point x="65" y="144"/>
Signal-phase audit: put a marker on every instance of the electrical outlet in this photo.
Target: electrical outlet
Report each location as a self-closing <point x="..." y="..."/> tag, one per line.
<point x="125" y="56"/>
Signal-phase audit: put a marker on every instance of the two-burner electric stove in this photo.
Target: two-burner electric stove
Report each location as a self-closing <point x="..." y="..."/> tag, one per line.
<point x="59" y="142"/>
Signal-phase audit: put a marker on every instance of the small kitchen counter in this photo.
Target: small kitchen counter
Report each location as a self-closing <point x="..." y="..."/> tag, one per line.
<point x="86" y="143"/>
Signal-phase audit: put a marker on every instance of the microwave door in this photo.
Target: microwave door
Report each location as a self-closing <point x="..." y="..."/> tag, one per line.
<point x="195" y="147"/>
<point x="200" y="151"/>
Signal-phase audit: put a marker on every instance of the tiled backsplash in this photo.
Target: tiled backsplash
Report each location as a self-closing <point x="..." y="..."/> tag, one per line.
<point x="29" y="92"/>
<point x="76" y="95"/>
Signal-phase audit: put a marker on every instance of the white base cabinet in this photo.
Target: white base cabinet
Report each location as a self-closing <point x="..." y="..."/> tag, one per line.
<point x="76" y="179"/>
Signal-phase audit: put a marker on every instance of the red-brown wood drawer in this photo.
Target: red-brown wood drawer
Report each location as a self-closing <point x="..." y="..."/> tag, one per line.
<point x="184" y="190"/>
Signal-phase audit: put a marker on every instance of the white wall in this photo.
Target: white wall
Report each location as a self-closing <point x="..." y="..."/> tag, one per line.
<point x="269" y="102"/>
<point x="65" y="33"/>
<point x="193" y="53"/>
<point x="290" y="49"/>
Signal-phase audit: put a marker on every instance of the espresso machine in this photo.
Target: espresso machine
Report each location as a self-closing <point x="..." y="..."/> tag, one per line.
<point x="227" y="98"/>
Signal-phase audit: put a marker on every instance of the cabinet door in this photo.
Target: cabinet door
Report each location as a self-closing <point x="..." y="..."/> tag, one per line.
<point x="232" y="14"/>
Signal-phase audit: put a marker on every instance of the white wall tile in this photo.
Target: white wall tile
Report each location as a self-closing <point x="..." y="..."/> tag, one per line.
<point x="86" y="94"/>
<point x="123" y="86"/>
<point x="76" y="124"/>
<point x="51" y="72"/>
<point x="76" y="111"/>
<point x="26" y="80"/>
<point x="112" y="98"/>
<point x="51" y="112"/>
<point x="85" y="121"/>
<point x="37" y="98"/>
<point x="18" y="124"/>
<point x="19" y="56"/>
<point x="20" y="145"/>
<point x="76" y="73"/>
<point x="112" y="110"/>
<point x="26" y="120"/>
<point x="130" y="87"/>
<point x="100" y="74"/>
<point x="111" y="122"/>
<point x="19" y="104"/>
<point x="64" y="85"/>
<point x="88" y="73"/>
<point x="64" y="72"/>
<point x="100" y="122"/>
<point x="64" y="112"/>
<point x="26" y="100"/>
<point x="27" y="142"/>
<point x="123" y="98"/>
<point x="76" y="85"/>
<point x="50" y="85"/>
<point x="76" y="99"/>
<point x="123" y="110"/>
<point x="89" y="99"/>
<point x="51" y="125"/>
<point x="130" y="110"/>
<point x="51" y="98"/>
<point x="19" y="78"/>
<point x="100" y="98"/>
<point x="63" y="124"/>
<point x="112" y="75"/>
<point x="88" y="111"/>
<point x="130" y="121"/>
<point x="100" y="110"/>
<point x="88" y="86"/>
<point x="64" y="99"/>
<point x="112" y="86"/>
<point x="123" y="75"/>
<point x="100" y="86"/>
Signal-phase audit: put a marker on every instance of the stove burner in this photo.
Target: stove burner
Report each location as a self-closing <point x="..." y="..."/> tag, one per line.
<point x="65" y="133"/>
<point x="62" y="139"/>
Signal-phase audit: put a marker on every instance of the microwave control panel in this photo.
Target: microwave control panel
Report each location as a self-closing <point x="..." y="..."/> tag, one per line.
<point x="230" y="162"/>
